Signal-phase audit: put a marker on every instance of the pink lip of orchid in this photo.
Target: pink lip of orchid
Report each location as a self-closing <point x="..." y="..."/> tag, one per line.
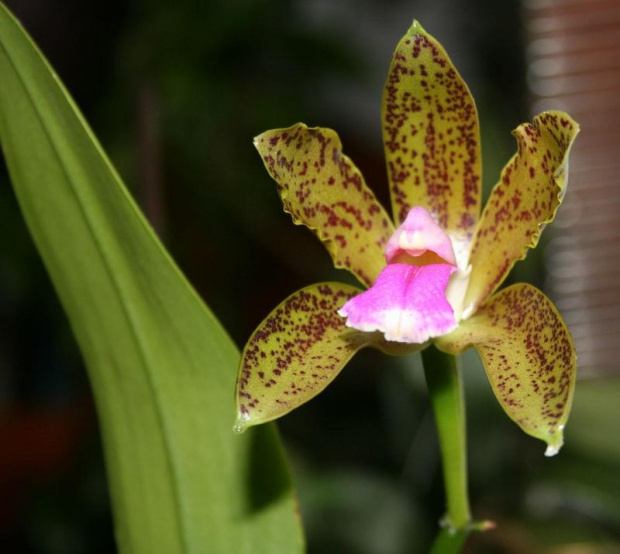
<point x="434" y="277"/>
<point x="408" y="301"/>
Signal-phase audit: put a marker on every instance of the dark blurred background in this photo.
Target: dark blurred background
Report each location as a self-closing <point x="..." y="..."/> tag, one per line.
<point x="175" y="91"/>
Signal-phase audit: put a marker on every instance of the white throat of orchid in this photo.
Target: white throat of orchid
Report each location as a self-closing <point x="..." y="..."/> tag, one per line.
<point x="419" y="294"/>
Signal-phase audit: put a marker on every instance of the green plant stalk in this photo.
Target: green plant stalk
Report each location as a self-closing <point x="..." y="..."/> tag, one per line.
<point x="449" y="541"/>
<point x="446" y="392"/>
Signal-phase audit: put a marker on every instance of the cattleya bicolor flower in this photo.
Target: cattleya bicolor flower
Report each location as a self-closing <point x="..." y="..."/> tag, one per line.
<point x="432" y="278"/>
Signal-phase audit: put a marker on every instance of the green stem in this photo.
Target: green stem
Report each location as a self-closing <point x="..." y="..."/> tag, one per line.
<point x="449" y="542"/>
<point x="446" y="391"/>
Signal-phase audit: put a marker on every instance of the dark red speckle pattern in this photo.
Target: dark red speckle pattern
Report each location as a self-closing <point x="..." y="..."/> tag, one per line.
<point x="431" y="136"/>
<point x="321" y="188"/>
<point x="528" y="355"/>
<point x="296" y="352"/>
<point x="525" y="199"/>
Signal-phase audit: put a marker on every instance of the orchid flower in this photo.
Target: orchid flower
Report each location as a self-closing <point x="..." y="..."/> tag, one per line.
<point x="432" y="274"/>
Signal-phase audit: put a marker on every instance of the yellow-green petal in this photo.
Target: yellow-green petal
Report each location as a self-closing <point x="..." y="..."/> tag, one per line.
<point x="529" y="358"/>
<point x="321" y="188"/>
<point x="297" y="351"/>
<point x="526" y="198"/>
<point x="431" y="137"/>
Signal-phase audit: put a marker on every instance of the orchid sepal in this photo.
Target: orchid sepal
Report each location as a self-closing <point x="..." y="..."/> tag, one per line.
<point x="431" y="137"/>
<point x="299" y="349"/>
<point x="529" y="358"/>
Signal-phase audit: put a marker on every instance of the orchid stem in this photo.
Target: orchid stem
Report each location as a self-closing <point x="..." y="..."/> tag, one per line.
<point x="445" y="388"/>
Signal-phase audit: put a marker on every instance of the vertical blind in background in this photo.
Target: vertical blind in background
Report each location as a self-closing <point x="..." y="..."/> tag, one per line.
<point x="574" y="65"/>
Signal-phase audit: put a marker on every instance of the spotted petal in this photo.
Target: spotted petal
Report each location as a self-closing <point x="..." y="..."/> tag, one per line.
<point x="526" y="198"/>
<point x="529" y="358"/>
<point x="321" y="188"/>
<point x="407" y="304"/>
<point x="297" y="351"/>
<point x="431" y="136"/>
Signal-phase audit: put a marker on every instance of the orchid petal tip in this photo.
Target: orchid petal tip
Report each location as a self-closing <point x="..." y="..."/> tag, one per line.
<point x="556" y="441"/>
<point x="416" y="28"/>
<point x="241" y="424"/>
<point x="552" y="450"/>
<point x="554" y="447"/>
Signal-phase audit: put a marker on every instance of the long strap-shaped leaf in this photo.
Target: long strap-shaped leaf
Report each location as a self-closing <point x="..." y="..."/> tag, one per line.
<point x="161" y="366"/>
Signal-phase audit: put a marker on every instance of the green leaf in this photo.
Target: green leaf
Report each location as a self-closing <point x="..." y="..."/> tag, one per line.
<point x="162" y="368"/>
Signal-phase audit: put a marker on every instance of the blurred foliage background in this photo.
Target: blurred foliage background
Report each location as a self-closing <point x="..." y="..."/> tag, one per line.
<point x="175" y="91"/>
